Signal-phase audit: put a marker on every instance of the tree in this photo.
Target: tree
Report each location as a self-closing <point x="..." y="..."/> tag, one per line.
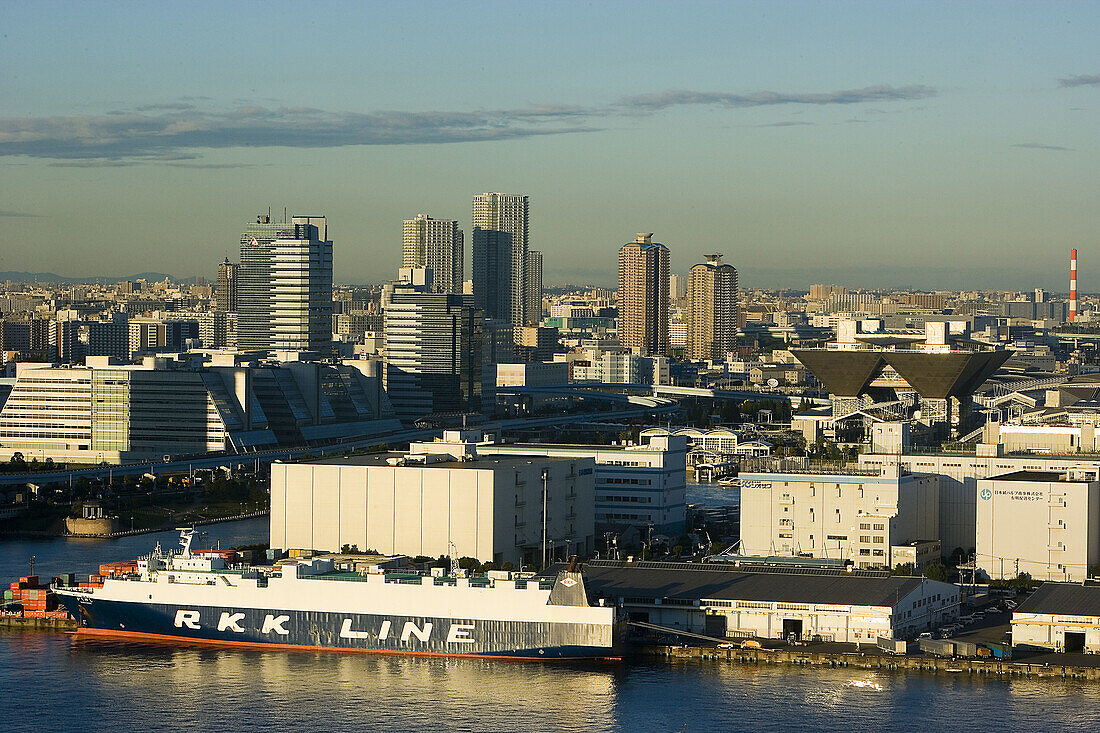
<point x="936" y="571"/>
<point x="904" y="568"/>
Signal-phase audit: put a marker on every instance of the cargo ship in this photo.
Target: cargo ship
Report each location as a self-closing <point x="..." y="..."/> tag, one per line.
<point x="198" y="597"/>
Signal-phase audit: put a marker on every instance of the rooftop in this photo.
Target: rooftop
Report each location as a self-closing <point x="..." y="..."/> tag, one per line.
<point x="1074" y="477"/>
<point x="1068" y="599"/>
<point x="855" y="589"/>
<point x="482" y="463"/>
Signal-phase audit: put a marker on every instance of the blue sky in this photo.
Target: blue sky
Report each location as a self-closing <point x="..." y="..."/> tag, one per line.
<point x="869" y="144"/>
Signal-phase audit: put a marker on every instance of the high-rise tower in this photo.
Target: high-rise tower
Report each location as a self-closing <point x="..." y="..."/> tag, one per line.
<point x="433" y="349"/>
<point x="435" y="244"/>
<point x="712" y="290"/>
<point x="225" y="294"/>
<point x="499" y="254"/>
<point x="534" y="287"/>
<point x="284" y="290"/>
<point x="643" y="295"/>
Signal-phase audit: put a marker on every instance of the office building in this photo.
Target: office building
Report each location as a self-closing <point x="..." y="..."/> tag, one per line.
<point x="1043" y="523"/>
<point x="500" y="247"/>
<point x="643" y="295"/>
<point x="117" y="413"/>
<point x="534" y="287"/>
<point x="225" y="293"/>
<point x="284" y="291"/>
<point x="642" y="486"/>
<point x="439" y="499"/>
<point x="712" y="289"/>
<point x="835" y="512"/>
<point x="432" y="349"/>
<point x="435" y="244"/>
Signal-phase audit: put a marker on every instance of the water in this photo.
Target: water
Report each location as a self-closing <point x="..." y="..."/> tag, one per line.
<point x="52" y="680"/>
<point x="713" y="494"/>
<point x="83" y="556"/>
<point x="55" y="680"/>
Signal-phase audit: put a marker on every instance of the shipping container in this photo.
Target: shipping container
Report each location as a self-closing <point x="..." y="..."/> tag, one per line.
<point x="966" y="649"/>
<point x="939" y="647"/>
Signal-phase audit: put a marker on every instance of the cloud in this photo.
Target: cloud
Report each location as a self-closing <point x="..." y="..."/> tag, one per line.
<point x="19" y="215"/>
<point x="786" y="124"/>
<point x="679" y="97"/>
<point x="113" y="139"/>
<point x="1082" y="80"/>
<point x="1041" y="146"/>
<point x="180" y="130"/>
<point x="212" y="166"/>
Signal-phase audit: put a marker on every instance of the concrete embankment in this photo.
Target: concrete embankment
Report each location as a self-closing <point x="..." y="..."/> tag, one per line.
<point x="913" y="663"/>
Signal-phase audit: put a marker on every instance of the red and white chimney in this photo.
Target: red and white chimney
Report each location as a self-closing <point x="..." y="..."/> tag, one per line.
<point x="1072" y="285"/>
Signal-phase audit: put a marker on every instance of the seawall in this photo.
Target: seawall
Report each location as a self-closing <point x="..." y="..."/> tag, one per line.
<point x="915" y="663"/>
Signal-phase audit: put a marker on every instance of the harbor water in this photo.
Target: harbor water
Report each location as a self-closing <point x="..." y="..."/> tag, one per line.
<point x="55" y="680"/>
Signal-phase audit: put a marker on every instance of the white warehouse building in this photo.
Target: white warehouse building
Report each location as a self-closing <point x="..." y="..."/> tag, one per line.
<point x="837" y="512"/>
<point x="833" y="605"/>
<point x="1043" y="523"/>
<point x="490" y="508"/>
<point x="1064" y="617"/>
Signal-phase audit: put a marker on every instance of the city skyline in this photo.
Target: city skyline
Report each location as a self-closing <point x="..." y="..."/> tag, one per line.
<point x="934" y="145"/>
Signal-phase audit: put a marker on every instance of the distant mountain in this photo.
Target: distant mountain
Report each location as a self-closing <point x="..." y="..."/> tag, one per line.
<point x="50" y="277"/>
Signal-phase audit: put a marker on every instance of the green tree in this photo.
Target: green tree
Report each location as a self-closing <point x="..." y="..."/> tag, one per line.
<point x="936" y="571"/>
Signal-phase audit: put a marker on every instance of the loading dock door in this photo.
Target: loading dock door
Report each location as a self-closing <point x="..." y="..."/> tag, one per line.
<point x="792" y="627"/>
<point x="1075" y="641"/>
<point x="715" y="625"/>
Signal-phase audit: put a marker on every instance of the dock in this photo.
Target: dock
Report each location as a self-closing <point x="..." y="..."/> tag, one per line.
<point x="29" y="623"/>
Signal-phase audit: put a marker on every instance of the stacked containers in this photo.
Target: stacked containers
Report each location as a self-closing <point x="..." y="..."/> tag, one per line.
<point x="32" y="595"/>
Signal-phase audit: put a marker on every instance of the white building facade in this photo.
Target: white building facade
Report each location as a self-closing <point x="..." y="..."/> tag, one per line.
<point x="638" y="485"/>
<point x="843" y="514"/>
<point x="490" y="508"/>
<point x="1042" y="523"/>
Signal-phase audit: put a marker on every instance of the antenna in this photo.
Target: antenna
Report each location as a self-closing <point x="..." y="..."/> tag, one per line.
<point x="452" y="553"/>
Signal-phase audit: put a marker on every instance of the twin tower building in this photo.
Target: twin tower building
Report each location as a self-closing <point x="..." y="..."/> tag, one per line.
<point x="507" y="274"/>
<point x="646" y="289"/>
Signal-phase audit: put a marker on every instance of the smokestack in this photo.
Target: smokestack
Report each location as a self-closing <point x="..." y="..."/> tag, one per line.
<point x="1072" y="285"/>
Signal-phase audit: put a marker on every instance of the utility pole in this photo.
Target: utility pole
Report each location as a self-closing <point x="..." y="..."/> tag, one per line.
<point x="545" y="476"/>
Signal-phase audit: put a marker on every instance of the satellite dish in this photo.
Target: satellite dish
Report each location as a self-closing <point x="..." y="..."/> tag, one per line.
<point x="773" y="383"/>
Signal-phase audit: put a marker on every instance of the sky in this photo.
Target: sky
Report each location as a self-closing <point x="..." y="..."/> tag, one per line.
<point x="903" y="144"/>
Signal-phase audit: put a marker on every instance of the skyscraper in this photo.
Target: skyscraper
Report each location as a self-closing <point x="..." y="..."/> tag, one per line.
<point x="284" y="285"/>
<point x="534" y="287"/>
<point x="712" y="288"/>
<point x="433" y="348"/>
<point x="643" y="295"/>
<point x="225" y="296"/>
<point x="500" y="244"/>
<point x="436" y="244"/>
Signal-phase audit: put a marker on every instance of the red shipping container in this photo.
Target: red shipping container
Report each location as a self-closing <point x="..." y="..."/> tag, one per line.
<point x="31" y="579"/>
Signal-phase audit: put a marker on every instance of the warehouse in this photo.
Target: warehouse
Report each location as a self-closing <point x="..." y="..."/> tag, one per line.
<point x="777" y="603"/>
<point x="1064" y="617"/>
<point x="1043" y="523"/>
<point x="437" y="499"/>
